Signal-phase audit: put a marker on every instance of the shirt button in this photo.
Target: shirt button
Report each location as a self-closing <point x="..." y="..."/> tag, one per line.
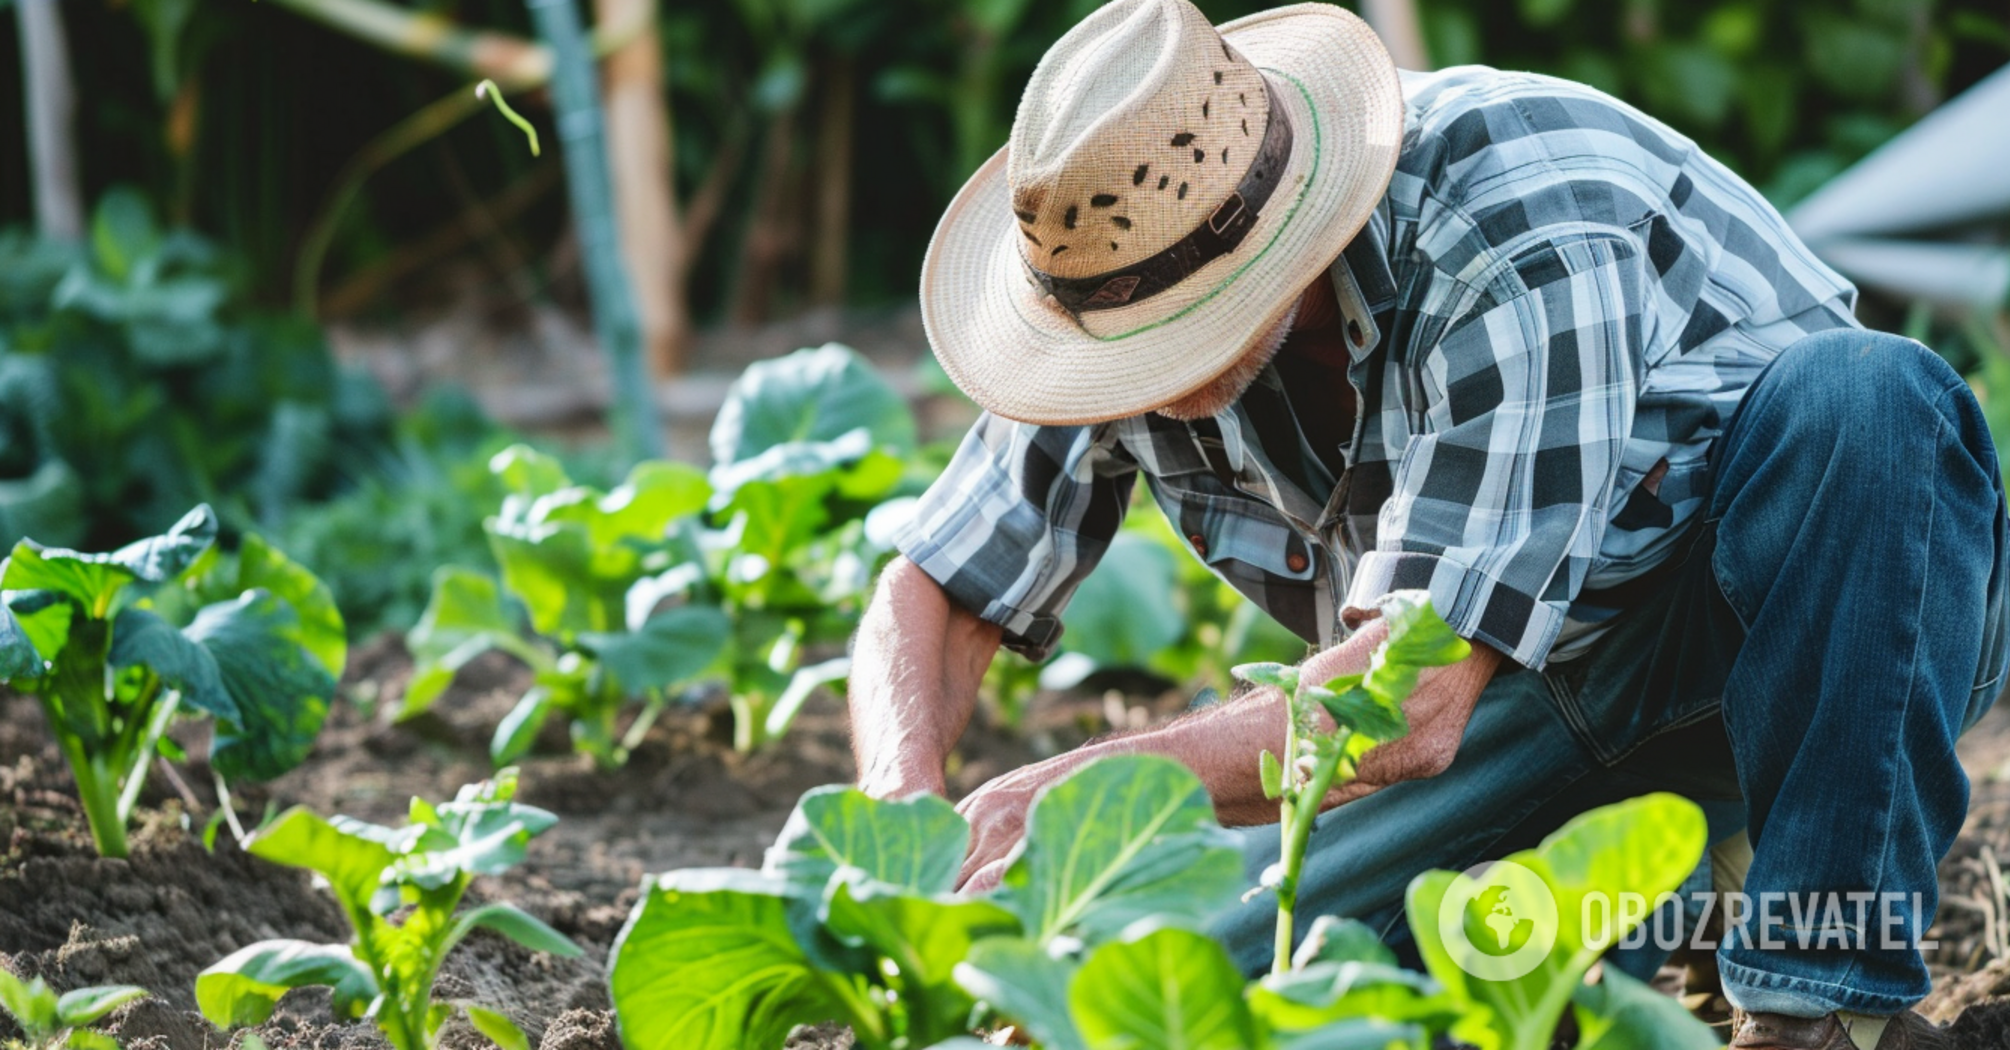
<point x="1355" y="335"/>
<point x="1296" y="562"/>
<point x="1199" y="544"/>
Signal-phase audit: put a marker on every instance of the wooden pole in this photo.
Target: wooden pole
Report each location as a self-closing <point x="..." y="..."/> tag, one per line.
<point x="640" y="152"/>
<point x="51" y="103"/>
<point x="583" y="140"/>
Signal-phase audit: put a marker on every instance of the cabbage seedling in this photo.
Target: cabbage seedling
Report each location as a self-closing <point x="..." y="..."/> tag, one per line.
<point x="417" y="872"/>
<point x="116" y="645"/>
<point x="50" y="1020"/>
<point x="1366" y="709"/>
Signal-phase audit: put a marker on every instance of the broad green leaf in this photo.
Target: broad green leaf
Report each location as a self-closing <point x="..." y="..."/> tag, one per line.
<point x="82" y="1006"/>
<point x="1323" y="993"/>
<point x="85" y="1039"/>
<point x="464" y="619"/>
<point x="281" y="691"/>
<point x="30" y="1003"/>
<point x="550" y="568"/>
<point x="244" y="987"/>
<point x="1127" y="609"/>
<point x="1121" y="839"/>
<point x="1171" y="989"/>
<point x="158" y="559"/>
<point x="44" y="619"/>
<point x="528" y="472"/>
<point x="1621" y="1013"/>
<point x="1647" y="845"/>
<point x="924" y="937"/>
<point x="1026" y="984"/>
<point x="261" y="566"/>
<point x="18" y="657"/>
<point x="1337" y="940"/>
<point x="809" y="395"/>
<point x="708" y="961"/>
<point x="500" y="1030"/>
<point x="1358" y="710"/>
<point x="1418" y="638"/>
<point x="90" y="580"/>
<point x="142" y="639"/>
<point x="123" y="231"/>
<point x="672" y="647"/>
<point x="915" y="844"/>
<point x="516" y="924"/>
<point x="352" y="863"/>
<point x="654" y="494"/>
<point x="1358" y="1034"/>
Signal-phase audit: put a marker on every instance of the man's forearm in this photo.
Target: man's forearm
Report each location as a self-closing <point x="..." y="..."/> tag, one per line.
<point x="916" y="666"/>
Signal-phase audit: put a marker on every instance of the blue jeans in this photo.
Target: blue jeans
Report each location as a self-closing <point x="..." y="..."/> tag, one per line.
<point x="1801" y="669"/>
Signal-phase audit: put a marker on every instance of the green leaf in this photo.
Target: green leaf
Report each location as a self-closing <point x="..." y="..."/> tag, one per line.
<point x="261" y="566"/>
<point x="801" y="684"/>
<point x="90" y="580"/>
<point x="123" y="231"/>
<point x="518" y="730"/>
<point x="1337" y="940"/>
<point x="708" y="961"/>
<point x="915" y="844"/>
<point x="1323" y="993"/>
<point x="1271" y="772"/>
<point x="1358" y="710"/>
<point x="1279" y="676"/>
<point x="158" y="559"/>
<point x="1171" y="989"/>
<point x="809" y="395"/>
<point x="244" y="987"/>
<point x="352" y="863"/>
<point x="1121" y="839"/>
<point x="654" y="494"/>
<point x="672" y="647"/>
<point x="1647" y="845"/>
<point x="47" y="506"/>
<point x="499" y="1029"/>
<point x="30" y="1003"/>
<point x="281" y="690"/>
<point x="481" y="832"/>
<point x="925" y="937"/>
<point x="81" y="1006"/>
<point x="142" y="639"/>
<point x="528" y="472"/>
<point x="516" y="924"/>
<point x="85" y="1039"/>
<point x="1127" y="609"/>
<point x="464" y="619"/>
<point x="44" y="619"/>
<point x="1622" y="1013"/>
<point x="1027" y="985"/>
<point x="1418" y="638"/>
<point x="18" y="656"/>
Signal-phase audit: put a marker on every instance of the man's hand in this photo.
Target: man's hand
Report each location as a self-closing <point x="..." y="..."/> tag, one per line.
<point x="997" y="813"/>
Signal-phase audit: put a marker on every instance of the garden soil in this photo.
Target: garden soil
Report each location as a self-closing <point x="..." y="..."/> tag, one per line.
<point x="684" y="800"/>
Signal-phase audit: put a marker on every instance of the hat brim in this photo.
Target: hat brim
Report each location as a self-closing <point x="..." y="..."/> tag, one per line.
<point x="1019" y="355"/>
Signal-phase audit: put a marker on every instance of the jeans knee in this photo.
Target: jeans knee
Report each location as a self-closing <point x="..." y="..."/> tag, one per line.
<point x="1854" y="387"/>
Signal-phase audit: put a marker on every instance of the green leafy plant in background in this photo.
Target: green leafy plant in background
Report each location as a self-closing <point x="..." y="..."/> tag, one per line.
<point x="852" y="917"/>
<point x="116" y="645"/>
<point x="806" y="450"/>
<point x="133" y="384"/>
<point x="1366" y="709"/>
<point x="50" y="1021"/>
<point x="584" y="565"/>
<point x="416" y="873"/>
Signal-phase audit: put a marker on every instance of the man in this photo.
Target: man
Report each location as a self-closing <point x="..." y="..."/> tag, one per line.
<point x="1498" y="337"/>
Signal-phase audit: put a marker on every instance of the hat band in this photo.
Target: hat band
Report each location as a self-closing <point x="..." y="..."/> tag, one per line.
<point x="1217" y="235"/>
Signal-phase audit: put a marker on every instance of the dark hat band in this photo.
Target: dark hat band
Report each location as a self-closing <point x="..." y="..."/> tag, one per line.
<point x="1217" y="235"/>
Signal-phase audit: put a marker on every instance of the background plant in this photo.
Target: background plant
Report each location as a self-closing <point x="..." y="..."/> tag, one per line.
<point x="417" y="873"/>
<point x="115" y="645"/>
<point x="49" y="1020"/>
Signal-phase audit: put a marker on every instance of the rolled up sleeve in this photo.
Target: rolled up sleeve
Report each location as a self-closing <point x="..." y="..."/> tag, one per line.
<point x="1501" y="498"/>
<point x="1017" y="521"/>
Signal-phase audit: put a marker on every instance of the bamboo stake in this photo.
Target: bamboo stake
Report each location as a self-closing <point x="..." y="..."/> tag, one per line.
<point x="639" y="151"/>
<point x="577" y="107"/>
<point x="51" y="103"/>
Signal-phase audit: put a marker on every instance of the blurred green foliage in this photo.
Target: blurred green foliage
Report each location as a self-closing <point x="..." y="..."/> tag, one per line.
<point x="235" y="117"/>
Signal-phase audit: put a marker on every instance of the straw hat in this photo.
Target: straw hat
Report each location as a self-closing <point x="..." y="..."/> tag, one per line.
<point x="1166" y="193"/>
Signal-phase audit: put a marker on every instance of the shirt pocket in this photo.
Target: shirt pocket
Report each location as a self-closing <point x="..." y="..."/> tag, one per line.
<point x="1243" y="539"/>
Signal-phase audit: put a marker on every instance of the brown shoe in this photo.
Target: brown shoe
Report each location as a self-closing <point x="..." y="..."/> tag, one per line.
<point x="1756" y="1031"/>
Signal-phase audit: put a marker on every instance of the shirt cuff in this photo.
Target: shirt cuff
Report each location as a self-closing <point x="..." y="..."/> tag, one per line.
<point x="1031" y="635"/>
<point x="1476" y="605"/>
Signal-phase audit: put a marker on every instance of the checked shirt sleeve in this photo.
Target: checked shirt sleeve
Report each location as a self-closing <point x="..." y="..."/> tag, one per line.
<point x="1501" y="498"/>
<point x="1018" y="520"/>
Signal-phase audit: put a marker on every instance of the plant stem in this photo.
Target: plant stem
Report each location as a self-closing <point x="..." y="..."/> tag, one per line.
<point x="98" y="788"/>
<point x="143" y="752"/>
<point x="1302" y="812"/>
<point x="750" y="715"/>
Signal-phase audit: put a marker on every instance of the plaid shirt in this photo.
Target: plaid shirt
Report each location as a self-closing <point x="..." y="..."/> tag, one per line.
<point x="1557" y="296"/>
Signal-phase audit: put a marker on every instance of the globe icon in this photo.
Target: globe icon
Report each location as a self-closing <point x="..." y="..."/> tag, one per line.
<point x="1492" y="925"/>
